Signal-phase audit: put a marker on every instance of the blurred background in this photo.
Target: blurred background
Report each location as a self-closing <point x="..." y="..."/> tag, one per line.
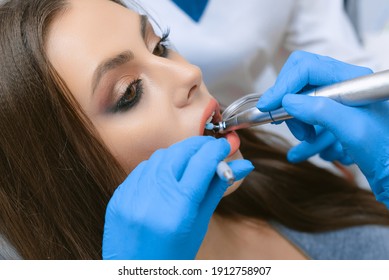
<point x="370" y="19"/>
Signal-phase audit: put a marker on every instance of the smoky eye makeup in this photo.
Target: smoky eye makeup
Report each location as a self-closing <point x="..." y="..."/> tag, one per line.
<point x="129" y="98"/>
<point x="124" y="94"/>
<point x="132" y="94"/>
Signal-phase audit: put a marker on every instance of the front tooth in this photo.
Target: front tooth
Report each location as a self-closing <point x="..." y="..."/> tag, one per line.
<point x="210" y="118"/>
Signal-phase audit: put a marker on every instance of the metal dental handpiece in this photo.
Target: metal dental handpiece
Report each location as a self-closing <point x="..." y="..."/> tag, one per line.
<point x="355" y="92"/>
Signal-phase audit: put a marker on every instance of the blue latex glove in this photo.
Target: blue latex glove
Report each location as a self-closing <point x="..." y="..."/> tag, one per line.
<point x="162" y="209"/>
<point x="361" y="134"/>
<point x="325" y="144"/>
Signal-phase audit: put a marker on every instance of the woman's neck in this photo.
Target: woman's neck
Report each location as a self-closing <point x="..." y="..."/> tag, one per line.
<point x="245" y="238"/>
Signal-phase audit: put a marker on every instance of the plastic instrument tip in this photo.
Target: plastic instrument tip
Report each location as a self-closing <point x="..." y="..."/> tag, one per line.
<point x="209" y="126"/>
<point x="225" y="172"/>
<point x="214" y="127"/>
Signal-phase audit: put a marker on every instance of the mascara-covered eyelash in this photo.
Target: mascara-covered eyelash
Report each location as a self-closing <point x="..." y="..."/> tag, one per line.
<point x="165" y="36"/>
<point x="130" y="97"/>
<point x="162" y="47"/>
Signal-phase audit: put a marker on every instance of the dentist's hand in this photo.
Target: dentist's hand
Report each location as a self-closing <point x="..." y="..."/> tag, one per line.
<point x="162" y="209"/>
<point x="360" y="135"/>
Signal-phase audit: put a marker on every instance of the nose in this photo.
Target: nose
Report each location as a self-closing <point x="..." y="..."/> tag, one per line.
<point x="185" y="80"/>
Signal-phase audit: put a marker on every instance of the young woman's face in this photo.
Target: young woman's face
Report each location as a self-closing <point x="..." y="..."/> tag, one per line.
<point x="140" y="96"/>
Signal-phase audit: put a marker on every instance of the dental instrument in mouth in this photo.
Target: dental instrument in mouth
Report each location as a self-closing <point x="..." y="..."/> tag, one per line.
<point x="360" y="91"/>
<point x="225" y="173"/>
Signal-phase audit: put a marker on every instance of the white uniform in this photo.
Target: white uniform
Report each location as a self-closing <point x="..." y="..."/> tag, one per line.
<point x="241" y="45"/>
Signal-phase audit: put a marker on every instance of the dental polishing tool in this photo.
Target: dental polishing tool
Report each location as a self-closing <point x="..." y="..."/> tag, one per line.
<point x="360" y="91"/>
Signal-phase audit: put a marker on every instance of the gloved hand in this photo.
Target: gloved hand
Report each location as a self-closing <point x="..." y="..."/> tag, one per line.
<point x="363" y="133"/>
<point x="325" y="144"/>
<point x="162" y="209"/>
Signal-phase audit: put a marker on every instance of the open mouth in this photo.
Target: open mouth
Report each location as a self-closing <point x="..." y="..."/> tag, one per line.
<point x="215" y="118"/>
<point x="212" y="115"/>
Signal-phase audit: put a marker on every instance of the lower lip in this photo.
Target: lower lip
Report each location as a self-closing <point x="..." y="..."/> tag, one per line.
<point x="233" y="138"/>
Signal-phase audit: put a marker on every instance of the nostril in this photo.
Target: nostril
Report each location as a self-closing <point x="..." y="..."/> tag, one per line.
<point x="192" y="91"/>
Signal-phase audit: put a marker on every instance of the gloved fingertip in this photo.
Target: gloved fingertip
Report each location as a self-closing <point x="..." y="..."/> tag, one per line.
<point x="226" y="147"/>
<point x="241" y="168"/>
<point x="346" y="160"/>
<point x="333" y="152"/>
<point x="296" y="130"/>
<point x="262" y="104"/>
<point x="223" y="141"/>
<point x="264" y="101"/>
<point x="309" y="135"/>
<point x="294" y="157"/>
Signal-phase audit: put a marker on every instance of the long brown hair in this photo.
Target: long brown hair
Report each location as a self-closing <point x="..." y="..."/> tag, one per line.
<point x="57" y="175"/>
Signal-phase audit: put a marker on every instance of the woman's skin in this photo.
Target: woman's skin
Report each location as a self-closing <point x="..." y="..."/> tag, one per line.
<point x="174" y="98"/>
<point x="142" y="100"/>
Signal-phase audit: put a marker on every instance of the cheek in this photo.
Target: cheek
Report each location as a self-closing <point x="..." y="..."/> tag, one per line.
<point x="132" y="151"/>
<point x="133" y="143"/>
<point x="131" y="148"/>
<point x="134" y="136"/>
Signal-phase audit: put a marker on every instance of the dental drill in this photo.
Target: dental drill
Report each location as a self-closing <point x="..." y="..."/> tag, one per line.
<point x="360" y="91"/>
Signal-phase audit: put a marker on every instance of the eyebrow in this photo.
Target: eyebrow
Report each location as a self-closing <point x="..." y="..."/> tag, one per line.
<point x="117" y="60"/>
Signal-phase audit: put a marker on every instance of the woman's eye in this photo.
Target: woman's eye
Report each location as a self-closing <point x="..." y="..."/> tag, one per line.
<point x="130" y="97"/>
<point x="161" y="48"/>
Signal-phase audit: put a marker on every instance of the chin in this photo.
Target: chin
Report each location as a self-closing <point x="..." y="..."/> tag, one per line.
<point x="233" y="187"/>
<point x="236" y="185"/>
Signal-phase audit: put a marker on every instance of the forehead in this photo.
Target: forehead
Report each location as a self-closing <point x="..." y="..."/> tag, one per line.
<point x="93" y="24"/>
<point x="94" y="28"/>
<point x="87" y="33"/>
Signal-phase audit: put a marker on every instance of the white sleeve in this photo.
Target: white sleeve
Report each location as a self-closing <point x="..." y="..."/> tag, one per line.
<point x="323" y="27"/>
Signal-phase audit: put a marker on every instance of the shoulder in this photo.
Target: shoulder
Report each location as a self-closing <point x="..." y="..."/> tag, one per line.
<point x="359" y="242"/>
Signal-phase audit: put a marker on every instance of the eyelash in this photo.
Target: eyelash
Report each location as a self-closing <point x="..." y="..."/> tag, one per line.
<point x="130" y="97"/>
<point x="134" y="91"/>
<point x="163" y="45"/>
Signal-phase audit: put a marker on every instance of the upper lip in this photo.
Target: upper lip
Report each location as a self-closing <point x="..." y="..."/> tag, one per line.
<point x="213" y="106"/>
